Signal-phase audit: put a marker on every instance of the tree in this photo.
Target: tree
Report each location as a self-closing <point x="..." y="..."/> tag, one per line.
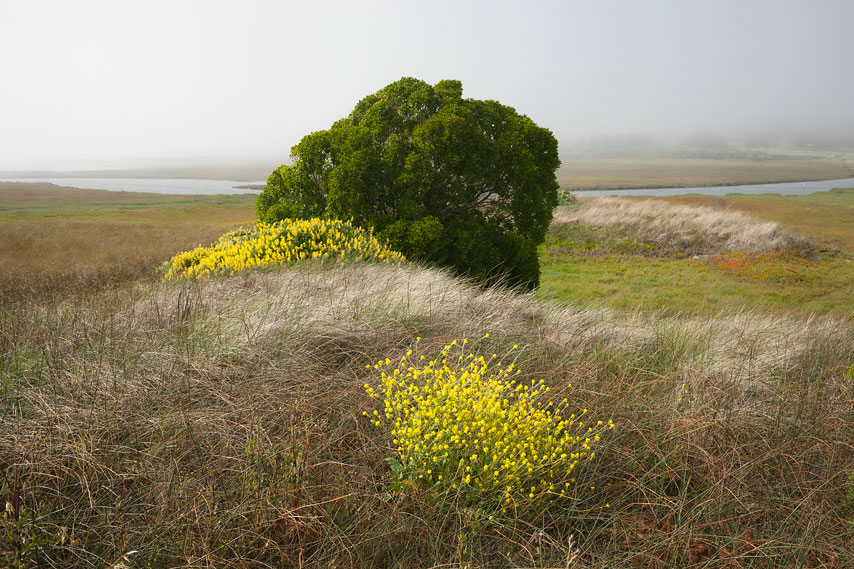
<point x="458" y="182"/>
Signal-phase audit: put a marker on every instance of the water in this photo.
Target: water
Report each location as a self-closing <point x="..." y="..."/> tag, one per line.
<point x="149" y="185"/>
<point x="786" y="189"/>
<point x="210" y="187"/>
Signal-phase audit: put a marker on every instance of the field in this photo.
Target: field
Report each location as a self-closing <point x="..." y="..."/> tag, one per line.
<point x="79" y="239"/>
<point x="220" y="423"/>
<point x="825" y="218"/>
<point x="609" y="173"/>
<point x="621" y="267"/>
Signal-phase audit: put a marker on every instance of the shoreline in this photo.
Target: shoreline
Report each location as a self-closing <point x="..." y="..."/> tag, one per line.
<point x="163" y="186"/>
<point x="252" y="188"/>
<point x="606" y="188"/>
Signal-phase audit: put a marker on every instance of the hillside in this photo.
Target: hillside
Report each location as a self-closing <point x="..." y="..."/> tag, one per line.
<point x="221" y="423"/>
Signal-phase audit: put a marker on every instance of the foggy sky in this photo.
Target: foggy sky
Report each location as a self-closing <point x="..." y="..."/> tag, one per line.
<point x="88" y="84"/>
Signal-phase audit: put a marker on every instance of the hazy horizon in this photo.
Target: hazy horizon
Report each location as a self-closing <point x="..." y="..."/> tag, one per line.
<point x="99" y="84"/>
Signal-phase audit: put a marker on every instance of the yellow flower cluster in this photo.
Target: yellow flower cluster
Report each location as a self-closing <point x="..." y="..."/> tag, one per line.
<point x="463" y="424"/>
<point x="286" y="241"/>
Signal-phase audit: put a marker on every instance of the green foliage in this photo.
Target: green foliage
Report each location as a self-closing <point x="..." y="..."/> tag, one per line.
<point x="848" y="500"/>
<point x="565" y="198"/>
<point x="22" y="542"/>
<point x="581" y="239"/>
<point x="463" y="183"/>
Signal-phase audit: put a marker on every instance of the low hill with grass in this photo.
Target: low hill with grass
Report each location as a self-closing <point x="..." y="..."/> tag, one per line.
<point x="230" y="421"/>
<point x="700" y="254"/>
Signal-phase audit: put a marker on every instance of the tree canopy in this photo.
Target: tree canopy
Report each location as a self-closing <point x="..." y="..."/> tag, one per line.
<point x="463" y="183"/>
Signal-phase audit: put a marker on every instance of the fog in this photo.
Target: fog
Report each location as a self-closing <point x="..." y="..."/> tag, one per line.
<point x="90" y="84"/>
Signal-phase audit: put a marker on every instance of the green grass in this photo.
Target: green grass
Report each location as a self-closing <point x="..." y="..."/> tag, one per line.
<point x="25" y="201"/>
<point x="607" y="267"/>
<point x="696" y="286"/>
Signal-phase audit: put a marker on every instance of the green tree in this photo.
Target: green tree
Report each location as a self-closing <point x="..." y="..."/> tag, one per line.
<point x="463" y="183"/>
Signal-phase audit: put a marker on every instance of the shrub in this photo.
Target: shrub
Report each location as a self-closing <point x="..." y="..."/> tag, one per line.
<point x="286" y="241"/>
<point x="462" y="183"/>
<point x="464" y="426"/>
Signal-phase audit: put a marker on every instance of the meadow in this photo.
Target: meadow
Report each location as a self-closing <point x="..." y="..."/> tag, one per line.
<point x="699" y="254"/>
<point x="825" y="218"/>
<point x="221" y="422"/>
<point x="80" y="240"/>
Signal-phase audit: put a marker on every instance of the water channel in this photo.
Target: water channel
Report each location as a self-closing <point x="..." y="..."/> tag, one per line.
<point x="785" y="188"/>
<point x="209" y="187"/>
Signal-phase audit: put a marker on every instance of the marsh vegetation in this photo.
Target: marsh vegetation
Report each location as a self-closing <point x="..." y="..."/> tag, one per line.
<point x="699" y="254"/>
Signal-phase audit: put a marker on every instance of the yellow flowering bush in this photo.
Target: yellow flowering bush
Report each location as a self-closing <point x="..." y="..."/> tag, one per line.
<point x="286" y="241"/>
<point x="463" y="424"/>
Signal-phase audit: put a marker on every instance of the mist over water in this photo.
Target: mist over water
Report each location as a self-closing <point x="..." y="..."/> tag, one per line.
<point x="84" y="89"/>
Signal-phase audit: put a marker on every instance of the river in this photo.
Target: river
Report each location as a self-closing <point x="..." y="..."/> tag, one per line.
<point x="785" y="188"/>
<point x="210" y="187"/>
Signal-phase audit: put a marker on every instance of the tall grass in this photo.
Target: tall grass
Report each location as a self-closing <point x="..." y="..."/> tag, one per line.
<point x="692" y="229"/>
<point x="72" y="256"/>
<point x="825" y="218"/>
<point x="59" y="241"/>
<point x="219" y="424"/>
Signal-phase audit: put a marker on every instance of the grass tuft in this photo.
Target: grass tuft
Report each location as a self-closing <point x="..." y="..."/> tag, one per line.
<point x="690" y="230"/>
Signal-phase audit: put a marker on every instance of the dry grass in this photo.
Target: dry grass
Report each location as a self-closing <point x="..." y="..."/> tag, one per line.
<point x="60" y="241"/>
<point x="692" y="229"/>
<point x="219" y="425"/>
<point x="825" y="218"/>
<point x="256" y="311"/>
<point x="72" y="256"/>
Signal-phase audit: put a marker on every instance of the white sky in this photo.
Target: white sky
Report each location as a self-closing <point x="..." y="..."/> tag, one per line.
<point x="87" y="83"/>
